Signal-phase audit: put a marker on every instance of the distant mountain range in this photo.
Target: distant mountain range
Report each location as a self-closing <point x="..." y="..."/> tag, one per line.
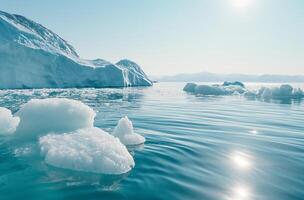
<point x="212" y="77"/>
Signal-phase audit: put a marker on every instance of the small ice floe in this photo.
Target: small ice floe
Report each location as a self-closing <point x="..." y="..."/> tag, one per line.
<point x="88" y="150"/>
<point x="54" y="115"/>
<point x="124" y="131"/>
<point x="8" y="123"/>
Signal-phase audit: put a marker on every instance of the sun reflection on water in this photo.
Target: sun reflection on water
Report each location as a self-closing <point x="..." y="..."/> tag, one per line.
<point x="240" y="192"/>
<point x="244" y="162"/>
<point x="241" y="160"/>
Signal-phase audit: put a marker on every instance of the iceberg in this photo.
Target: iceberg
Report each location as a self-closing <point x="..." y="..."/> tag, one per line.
<point x="124" y="131"/>
<point x="8" y="123"/>
<point x="88" y="150"/>
<point x="32" y="56"/>
<point x="40" y="116"/>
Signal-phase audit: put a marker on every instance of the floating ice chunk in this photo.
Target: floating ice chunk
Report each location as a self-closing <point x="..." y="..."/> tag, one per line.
<point x="227" y="88"/>
<point x="236" y="93"/>
<point x="54" y="115"/>
<point x="88" y="150"/>
<point x="284" y="91"/>
<point x="236" y="83"/>
<point x="297" y="93"/>
<point x="190" y="87"/>
<point x="233" y="88"/>
<point x="209" y="90"/>
<point x="266" y="93"/>
<point x="250" y="94"/>
<point x="8" y="123"/>
<point x="124" y="131"/>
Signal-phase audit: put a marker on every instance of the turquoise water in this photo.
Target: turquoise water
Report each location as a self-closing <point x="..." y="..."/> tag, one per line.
<point x="196" y="148"/>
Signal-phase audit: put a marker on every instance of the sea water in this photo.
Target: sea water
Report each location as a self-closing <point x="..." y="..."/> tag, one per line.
<point x="197" y="147"/>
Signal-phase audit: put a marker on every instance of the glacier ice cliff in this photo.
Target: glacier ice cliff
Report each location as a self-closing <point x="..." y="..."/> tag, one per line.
<point x="32" y="56"/>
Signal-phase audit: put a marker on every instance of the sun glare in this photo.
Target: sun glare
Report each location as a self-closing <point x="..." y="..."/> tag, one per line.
<point x="242" y="4"/>
<point x="241" y="160"/>
<point x="241" y="193"/>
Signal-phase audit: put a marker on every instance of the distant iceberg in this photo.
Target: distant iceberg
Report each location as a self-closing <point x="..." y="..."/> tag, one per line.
<point x="238" y="88"/>
<point x="227" y="88"/>
<point x="31" y="56"/>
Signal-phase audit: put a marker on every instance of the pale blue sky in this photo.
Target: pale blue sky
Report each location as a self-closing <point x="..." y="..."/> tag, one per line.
<point x="179" y="36"/>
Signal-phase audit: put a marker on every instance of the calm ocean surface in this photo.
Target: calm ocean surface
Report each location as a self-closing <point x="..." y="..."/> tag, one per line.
<point x="196" y="148"/>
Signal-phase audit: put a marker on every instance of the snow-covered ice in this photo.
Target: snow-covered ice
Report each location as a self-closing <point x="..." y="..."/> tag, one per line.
<point x="125" y="132"/>
<point x="41" y="116"/>
<point x="88" y="150"/>
<point x="8" y="123"/>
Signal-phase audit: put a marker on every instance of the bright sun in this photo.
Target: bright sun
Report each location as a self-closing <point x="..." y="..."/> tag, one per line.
<point x="241" y="4"/>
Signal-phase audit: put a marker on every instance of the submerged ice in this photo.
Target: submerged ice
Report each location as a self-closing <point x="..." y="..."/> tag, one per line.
<point x="124" y="131"/>
<point x="89" y="150"/>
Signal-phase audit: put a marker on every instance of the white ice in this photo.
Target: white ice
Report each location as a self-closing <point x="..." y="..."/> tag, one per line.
<point x="41" y="116"/>
<point x="88" y="150"/>
<point x="8" y="123"/>
<point x="124" y="131"/>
